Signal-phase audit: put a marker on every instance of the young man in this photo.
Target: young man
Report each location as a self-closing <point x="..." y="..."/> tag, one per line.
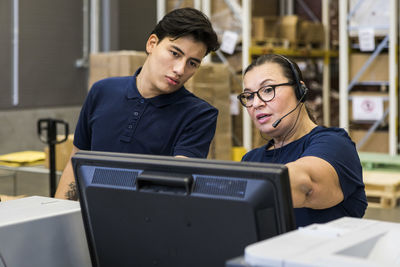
<point x="151" y="112"/>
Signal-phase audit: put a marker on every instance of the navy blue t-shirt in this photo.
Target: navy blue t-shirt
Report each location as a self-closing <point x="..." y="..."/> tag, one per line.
<point x="116" y="118"/>
<point x="334" y="146"/>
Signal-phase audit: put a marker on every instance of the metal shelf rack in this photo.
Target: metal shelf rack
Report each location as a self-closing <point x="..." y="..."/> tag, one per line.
<point x="345" y="85"/>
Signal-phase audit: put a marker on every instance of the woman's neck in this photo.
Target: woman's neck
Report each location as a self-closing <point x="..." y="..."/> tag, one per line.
<point x="302" y="127"/>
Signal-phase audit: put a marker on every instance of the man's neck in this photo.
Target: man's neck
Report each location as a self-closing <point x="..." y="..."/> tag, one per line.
<point x="142" y="83"/>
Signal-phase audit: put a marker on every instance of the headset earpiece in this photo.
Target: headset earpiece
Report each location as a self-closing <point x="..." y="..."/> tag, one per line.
<point x="300" y="89"/>
<point x="302" y="93"/>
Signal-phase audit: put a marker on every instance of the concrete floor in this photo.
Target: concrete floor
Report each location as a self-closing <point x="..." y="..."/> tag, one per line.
<point x="29" y="184"/>
<point x="390" y="215"/>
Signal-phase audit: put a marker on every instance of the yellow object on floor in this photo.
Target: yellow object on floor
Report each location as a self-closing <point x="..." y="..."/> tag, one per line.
<point x="238" y="152"/>
<point x="23" y="158"/>
<point x="4" y="198"/>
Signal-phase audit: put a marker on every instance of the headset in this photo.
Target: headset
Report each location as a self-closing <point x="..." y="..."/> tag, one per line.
<point x="300" y="90"/>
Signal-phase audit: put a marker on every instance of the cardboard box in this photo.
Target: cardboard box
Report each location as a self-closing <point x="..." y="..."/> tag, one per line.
<point x="289" y="28"/>
<point x="98" y="67"/>
<point x="218" y="6"/>
<point x="212" y="82"/>
<point x="63" y="152"/>
<point x="235" y="61"/>
<point x="261" y="8"/>
<point x="264" y="27"/>
<point x="211" y="73"/>
<point x="378" y="141"/>
<point x="112" y="64"/>
<point x="377" y="71"/>
<point x="312" y="32"/>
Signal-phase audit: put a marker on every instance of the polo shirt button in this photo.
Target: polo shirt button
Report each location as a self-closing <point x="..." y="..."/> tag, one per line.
<point x="142" y="100"/>
<point x="130" y="126"/>
<point x="136" y="113"/>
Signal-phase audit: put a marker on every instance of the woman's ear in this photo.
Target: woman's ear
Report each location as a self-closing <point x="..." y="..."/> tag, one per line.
<point x="151" y="43"/>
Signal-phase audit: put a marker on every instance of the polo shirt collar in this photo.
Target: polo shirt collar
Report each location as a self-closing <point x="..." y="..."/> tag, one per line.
<point x="131" y="90"/>
<point x="158" y="101"/>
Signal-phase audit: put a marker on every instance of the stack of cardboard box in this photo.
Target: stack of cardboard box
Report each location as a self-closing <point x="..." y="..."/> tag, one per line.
<point x="112" y="64"/>
<point x="287" y="31"/>
<point x="212" y="82"/>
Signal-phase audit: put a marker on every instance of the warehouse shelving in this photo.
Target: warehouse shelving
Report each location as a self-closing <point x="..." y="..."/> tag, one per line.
<point x="345" y="85"/>
<point x="325" y="53"/>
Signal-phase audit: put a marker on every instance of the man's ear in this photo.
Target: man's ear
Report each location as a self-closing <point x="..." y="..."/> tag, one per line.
<point x="151" y="43"/>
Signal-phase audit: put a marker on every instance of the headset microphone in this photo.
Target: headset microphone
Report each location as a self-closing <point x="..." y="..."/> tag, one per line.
<point x="276" y="123"/>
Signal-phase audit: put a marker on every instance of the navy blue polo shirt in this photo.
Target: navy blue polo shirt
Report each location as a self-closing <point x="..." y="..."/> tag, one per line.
<point x="334" y="146"/>
<point x="116" y="118"/>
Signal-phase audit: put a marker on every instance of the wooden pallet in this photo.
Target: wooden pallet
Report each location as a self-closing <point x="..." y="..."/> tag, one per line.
<point x="382" y="188"/>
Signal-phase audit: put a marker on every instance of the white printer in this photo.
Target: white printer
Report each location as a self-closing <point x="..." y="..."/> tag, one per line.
<point x="42" y="231"/>
<point x="342" y="242"/>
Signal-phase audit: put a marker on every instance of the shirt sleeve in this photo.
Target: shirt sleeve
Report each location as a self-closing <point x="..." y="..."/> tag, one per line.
<point x="338" y="149"/>
<point x="198" y="134"/>
<point x="83" y="133"/>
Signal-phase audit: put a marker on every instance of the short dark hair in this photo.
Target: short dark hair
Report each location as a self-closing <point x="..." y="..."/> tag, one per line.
<point x="187" y="22"/>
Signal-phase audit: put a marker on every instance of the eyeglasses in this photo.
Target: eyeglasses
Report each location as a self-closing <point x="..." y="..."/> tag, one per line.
<point x="265" y="93"/>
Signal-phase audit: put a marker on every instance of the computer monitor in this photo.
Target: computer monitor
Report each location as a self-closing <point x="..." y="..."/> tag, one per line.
<point x="144" y="210"/>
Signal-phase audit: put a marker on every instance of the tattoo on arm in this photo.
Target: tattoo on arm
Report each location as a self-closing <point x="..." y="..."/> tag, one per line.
<point x="71" y="194"/>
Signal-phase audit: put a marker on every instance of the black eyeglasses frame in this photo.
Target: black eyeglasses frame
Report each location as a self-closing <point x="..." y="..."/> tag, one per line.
<point x="273" y="86"/>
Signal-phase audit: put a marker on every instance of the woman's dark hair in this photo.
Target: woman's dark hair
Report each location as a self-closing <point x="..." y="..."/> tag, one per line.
<point x="187" y="22"/>
<point x="281" y="61"/>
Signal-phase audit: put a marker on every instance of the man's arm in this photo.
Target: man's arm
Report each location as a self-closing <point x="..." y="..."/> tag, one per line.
<point x="67" y="187"/>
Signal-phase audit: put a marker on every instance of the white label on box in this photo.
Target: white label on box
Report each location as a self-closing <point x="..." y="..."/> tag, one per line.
<point x="234" y="105"/>
<point x="366" y="38"/>
<point x="369" y="108"/>
<point x="229" y="40"/>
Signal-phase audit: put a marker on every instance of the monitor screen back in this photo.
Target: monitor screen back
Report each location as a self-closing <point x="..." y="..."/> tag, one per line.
<point x="163" y="224"/>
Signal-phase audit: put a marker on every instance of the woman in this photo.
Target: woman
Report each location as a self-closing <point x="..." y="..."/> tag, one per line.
<point x="324" y="167"/>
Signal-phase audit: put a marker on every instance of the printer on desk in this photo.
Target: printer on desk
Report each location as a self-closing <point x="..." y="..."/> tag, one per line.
<point x="42" y="231"/>
<point x="342" y="242"/>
